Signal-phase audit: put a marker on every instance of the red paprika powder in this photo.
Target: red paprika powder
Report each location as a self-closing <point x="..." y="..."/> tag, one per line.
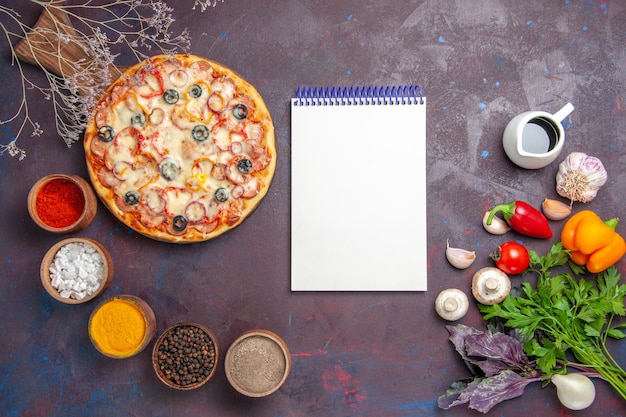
<point x="59" y="203"/>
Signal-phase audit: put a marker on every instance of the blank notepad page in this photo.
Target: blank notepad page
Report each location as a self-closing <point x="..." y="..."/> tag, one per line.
<point x="358" y="208"/>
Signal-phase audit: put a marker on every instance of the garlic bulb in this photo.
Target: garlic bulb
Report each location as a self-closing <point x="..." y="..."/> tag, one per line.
<point x="580" y="177"/>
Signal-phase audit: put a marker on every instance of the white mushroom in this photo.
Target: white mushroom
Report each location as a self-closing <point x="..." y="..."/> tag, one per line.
<point x="451" y="304"/>
<point x="490" y="285"/>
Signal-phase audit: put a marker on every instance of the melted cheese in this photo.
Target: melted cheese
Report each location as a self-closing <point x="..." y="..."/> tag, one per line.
<point x="149" y="131"/>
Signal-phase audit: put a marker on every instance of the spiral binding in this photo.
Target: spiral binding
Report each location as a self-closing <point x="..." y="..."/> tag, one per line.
<point x="359" y="96"/>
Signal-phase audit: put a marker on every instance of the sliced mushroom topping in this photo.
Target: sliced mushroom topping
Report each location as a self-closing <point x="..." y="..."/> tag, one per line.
<point x="178" y="78"/>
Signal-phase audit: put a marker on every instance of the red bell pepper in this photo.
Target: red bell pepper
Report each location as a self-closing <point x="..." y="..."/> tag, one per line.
<point x="523" y="218"/>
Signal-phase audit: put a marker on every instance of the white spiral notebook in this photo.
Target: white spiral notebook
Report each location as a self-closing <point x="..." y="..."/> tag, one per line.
<point x="358" y="189"/>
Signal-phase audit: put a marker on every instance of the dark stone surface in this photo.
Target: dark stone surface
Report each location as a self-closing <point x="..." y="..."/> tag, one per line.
<point x="354" y="354"/>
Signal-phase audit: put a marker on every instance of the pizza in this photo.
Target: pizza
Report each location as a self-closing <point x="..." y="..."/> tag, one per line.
<point x="180" y="148"/>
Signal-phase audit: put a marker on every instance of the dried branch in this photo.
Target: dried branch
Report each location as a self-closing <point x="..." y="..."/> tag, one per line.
<point x="76" y="47"/>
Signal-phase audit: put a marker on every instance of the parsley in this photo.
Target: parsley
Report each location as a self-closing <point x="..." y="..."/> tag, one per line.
<point x="567" y="319"/>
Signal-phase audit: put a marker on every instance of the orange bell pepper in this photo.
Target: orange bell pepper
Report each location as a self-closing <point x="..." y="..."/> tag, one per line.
<point x="592" y="242"/>
<point x="607" y="256"/>
<point x="579" y="258"/>
<point x="595" y="234"/>
<point x="569" y="230"/>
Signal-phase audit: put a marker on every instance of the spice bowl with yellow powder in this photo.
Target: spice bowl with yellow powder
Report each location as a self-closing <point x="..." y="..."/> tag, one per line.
<point x="257" y="363"/>
<point x="61" y="203"/>
<point x="76" y="270"/>
<point x="121" y="326"/>
<point x="185" y="356"/>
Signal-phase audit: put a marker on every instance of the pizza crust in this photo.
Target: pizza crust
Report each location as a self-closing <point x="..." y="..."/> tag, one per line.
<point x="180" y="148"/>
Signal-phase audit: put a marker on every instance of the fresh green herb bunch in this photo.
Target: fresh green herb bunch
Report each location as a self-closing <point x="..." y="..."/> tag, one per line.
<point x="567" y="315"/>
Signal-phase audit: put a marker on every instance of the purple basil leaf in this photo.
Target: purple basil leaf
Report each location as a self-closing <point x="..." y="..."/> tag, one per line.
<point x="493" y="390"/>
<point x="458" y="334"/>
<point x="497" y="347"/>
<point x="483" y="394"/>
<point x="491" y="367"/>
<point x="459" y="393"/>
<point x="492" y="353"/>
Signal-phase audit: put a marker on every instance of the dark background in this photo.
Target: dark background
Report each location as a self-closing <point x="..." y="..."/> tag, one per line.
<point x="354" y="354"/>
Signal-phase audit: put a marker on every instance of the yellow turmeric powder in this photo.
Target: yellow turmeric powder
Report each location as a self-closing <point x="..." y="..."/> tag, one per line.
<point x="118" y="327"/>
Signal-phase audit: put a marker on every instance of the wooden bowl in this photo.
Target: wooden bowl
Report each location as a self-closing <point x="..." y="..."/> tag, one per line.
<point x="257" y="363"/>
<point x="107" y="336"/>
<point x="75" y="296"/>
<point x="61" y="226"/>
<point x="166" y="364"/>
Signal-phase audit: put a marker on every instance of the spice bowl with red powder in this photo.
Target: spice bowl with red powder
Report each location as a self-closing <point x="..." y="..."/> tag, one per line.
<point x="76" y="270"/>
<point x="61" y="203"/>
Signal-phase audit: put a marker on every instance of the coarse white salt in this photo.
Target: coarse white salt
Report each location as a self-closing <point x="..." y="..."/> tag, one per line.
<point x="77" y="270"/>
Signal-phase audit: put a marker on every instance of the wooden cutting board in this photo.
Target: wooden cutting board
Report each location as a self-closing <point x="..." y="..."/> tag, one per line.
<point x="55" y="45"/>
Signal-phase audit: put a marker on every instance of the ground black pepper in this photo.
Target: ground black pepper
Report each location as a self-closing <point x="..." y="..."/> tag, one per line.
<point x="186" y="355"/>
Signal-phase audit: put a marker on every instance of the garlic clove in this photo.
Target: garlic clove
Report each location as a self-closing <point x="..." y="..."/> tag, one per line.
<point x="580" y="176"/>
<point x="497" y="226"/>
<point x="555" y="209"/>
<point x="459" y="258"/>
<point x="575" y="391"/>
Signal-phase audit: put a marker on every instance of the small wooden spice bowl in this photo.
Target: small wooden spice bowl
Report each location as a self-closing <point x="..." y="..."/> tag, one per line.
<point x="192" y="342"/>
<point x="61" y="203"/>
<point x="66" y="282"/>
<point x="257" y="363"/>
<point x="121" y="327"/>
